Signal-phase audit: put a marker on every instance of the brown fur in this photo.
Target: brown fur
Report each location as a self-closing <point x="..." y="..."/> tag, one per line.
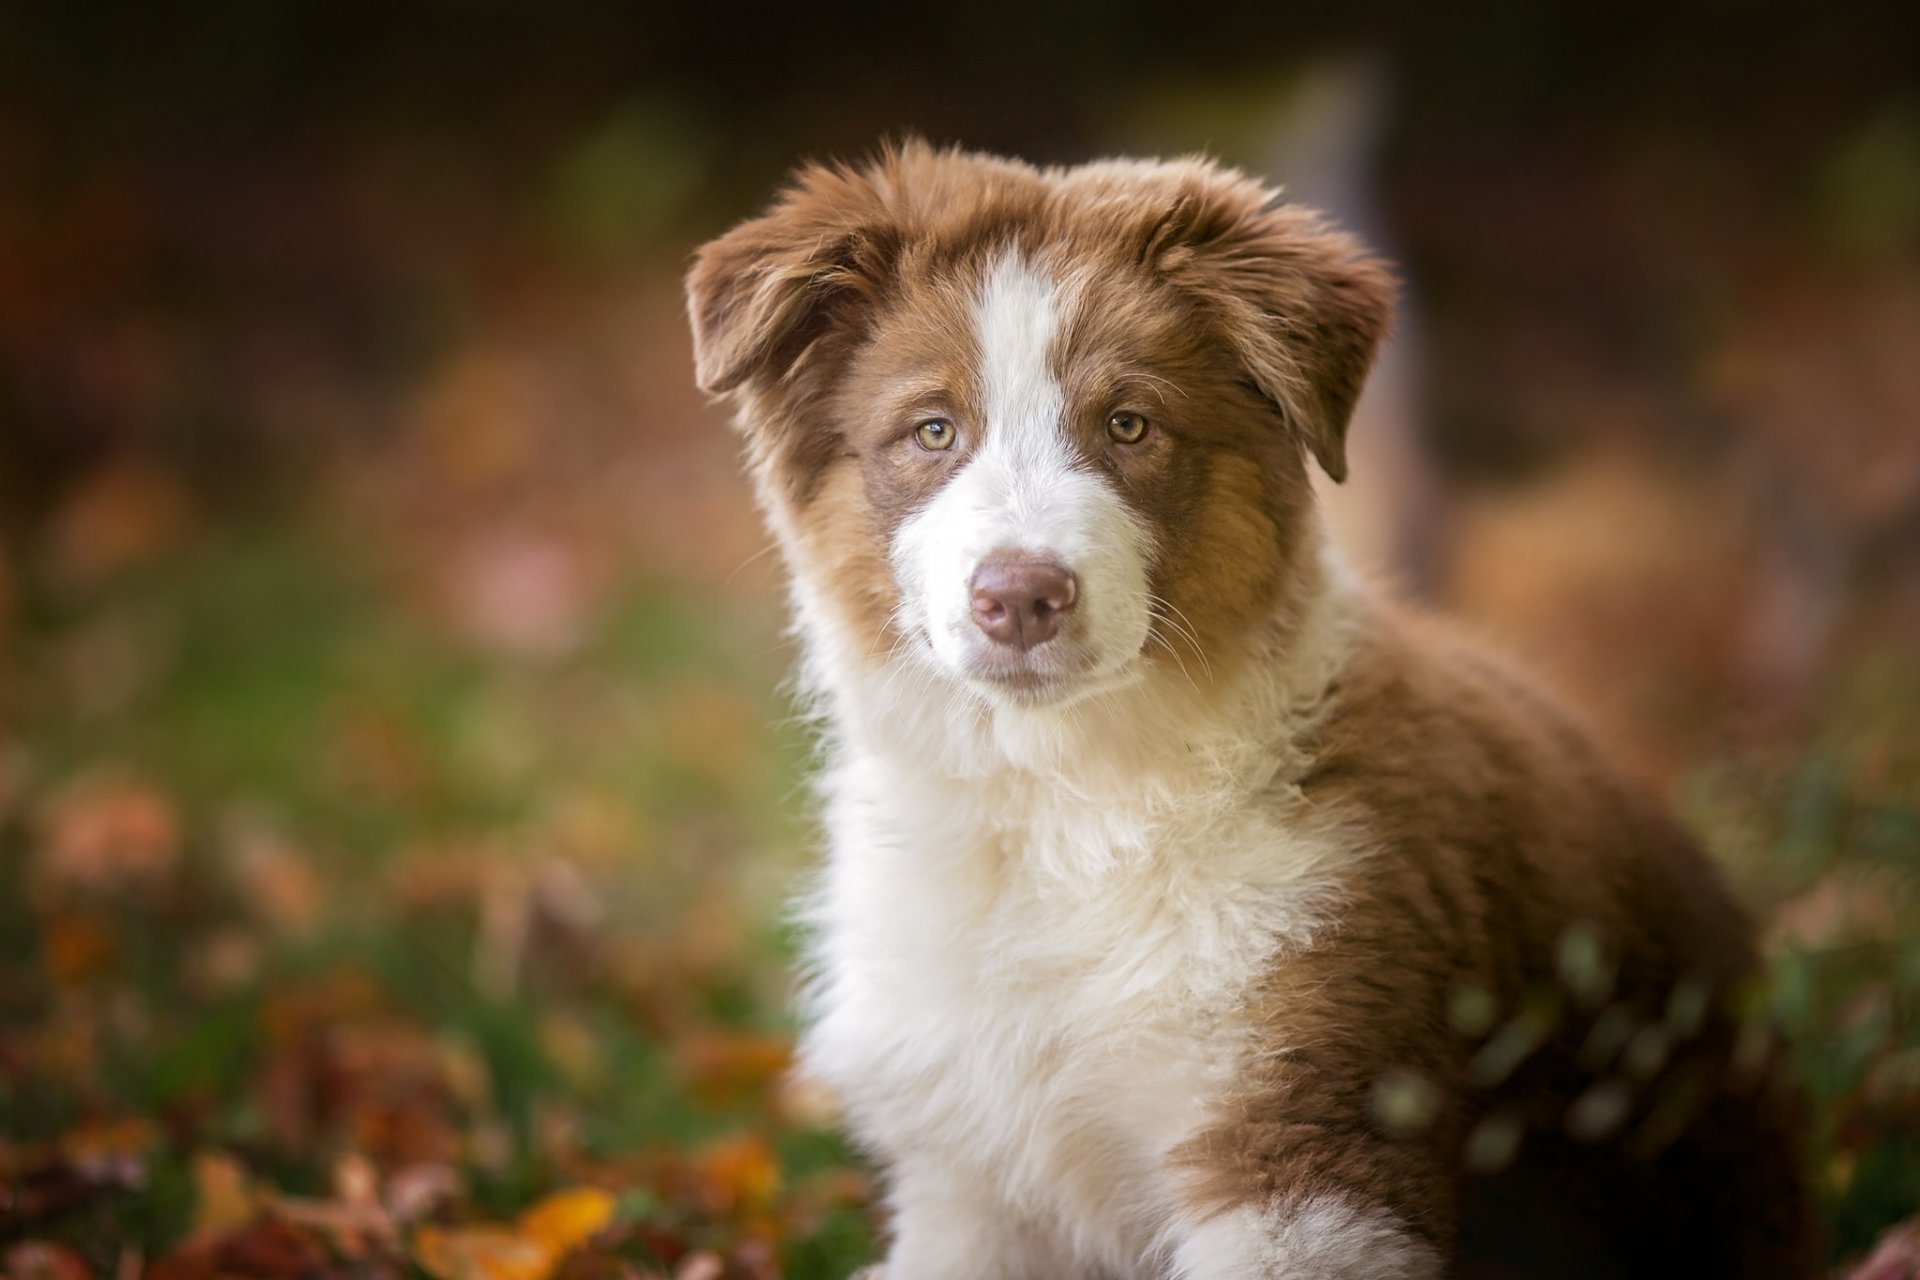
<point x="841" y="317"/>
<point x="1504" y="839"/>
<point x="1511" y="868"/>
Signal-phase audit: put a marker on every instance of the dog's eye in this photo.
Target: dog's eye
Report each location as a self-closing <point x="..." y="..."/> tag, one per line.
<point x="1126" y="427"/>
<point x="936" y="434"/>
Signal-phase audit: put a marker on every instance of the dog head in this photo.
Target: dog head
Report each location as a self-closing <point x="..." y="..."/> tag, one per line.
<point x="1037" y="431"/>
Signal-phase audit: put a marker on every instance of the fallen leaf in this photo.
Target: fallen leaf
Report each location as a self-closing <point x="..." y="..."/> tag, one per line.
<point x="531" y="1249"/>
<point x="417" y="1190"/>
<point x="111" y="1144"/>
<point x="354" y="1220"/>
<point x="723" y="1067"/>
<point x="740" y="1175"/>
<point x="103" y="831"/>
<point x="481" y="1253"/>
<point x="224" y="1199"/>
<point x="568" y="1219"/>
<point x="76" y="946"/>
<point x="269" y="1249"/>
<point x="124" y="513"/>
<point x="41" y="1260"/>
<point x="275" y="877"/>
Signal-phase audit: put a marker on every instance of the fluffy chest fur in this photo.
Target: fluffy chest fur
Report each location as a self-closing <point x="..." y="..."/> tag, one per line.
<point x="1037" y="972"/>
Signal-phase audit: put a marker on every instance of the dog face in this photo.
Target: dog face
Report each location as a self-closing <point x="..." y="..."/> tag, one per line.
<point x="1037" y="431"/>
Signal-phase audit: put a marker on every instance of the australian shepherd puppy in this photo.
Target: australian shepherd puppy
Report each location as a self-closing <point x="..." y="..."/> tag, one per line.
<point x="1189" y="911"/>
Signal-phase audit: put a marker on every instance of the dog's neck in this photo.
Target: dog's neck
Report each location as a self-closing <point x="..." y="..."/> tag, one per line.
<point x="1171" y="732"/>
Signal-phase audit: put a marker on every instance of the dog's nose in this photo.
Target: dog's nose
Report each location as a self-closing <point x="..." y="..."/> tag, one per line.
<point x="1019" y="601"/>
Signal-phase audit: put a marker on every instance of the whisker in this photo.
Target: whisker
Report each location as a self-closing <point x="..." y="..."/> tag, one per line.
<point x="1174" y="653"/>
<point x="1177" y="621"/>
<point x="763" y="552"/>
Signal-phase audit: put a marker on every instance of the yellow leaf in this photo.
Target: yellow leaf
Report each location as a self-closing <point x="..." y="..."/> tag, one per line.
<point x="223" y="1201"/>
<point x="481" y="1253"/>
<point x="567" y="1219"/>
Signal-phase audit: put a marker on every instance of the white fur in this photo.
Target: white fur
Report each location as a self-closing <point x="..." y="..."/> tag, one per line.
<point x="1036" y="923"/>
<point x="1022" y="490"/>
<point x="1326" y="1238"/>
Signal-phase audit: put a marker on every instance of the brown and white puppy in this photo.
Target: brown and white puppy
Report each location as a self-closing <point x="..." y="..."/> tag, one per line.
<point x="1188" y="911"/>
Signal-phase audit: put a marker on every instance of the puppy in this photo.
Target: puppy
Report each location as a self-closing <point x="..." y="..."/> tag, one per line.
<point x="1189" y="911"/>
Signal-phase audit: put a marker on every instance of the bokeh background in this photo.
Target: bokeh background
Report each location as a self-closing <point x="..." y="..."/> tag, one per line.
<point x="397" y="798"/>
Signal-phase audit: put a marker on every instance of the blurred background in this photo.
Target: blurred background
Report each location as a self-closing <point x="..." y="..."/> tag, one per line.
<point x="397" y="797"/>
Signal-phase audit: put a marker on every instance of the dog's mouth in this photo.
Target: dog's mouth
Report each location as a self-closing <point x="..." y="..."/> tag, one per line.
<point x="1021" y="683"/>
<point x="1023" y="675"/>
<point x="1042" y="678"/>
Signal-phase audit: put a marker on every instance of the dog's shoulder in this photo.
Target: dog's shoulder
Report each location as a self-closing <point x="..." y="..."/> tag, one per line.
<point x="1497" y="814"/>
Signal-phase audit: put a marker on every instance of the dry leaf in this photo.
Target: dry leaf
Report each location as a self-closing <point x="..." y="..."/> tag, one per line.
<point x="568" y="1219"/>
<point x="531" y="1249"/>
<point x="417" y="1190"/>
<point x="106" y="1143"/>
<point x="104" y="831"/>
<point x="481" y="1253"/>
<point x="722" y="1066"/>
<point x="224" y="1199"/>
<point x="740" y="1175"/>
<point x="40" y="1260"/>
<point x="278" y="880"/>
<point x="76" y="946"/>
<point x="124" y="513"/>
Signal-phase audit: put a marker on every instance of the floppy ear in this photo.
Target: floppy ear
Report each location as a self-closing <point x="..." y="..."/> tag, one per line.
<point x="764" y="295"/>
<point x="1302" y="303"/>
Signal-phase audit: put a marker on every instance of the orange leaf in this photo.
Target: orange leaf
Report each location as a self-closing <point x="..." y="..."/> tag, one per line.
<point x="481" y="1253"/>
<point x="567" y="1219"/>
<point x="724" y="1067"/>
<point x="740" y="1174"/>
<point x="128" y="1138"/>
<point x="76" y="947"/>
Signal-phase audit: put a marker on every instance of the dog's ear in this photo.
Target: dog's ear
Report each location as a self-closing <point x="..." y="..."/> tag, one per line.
<point x="763" y="296"/>
<point x="1303" y="305"/>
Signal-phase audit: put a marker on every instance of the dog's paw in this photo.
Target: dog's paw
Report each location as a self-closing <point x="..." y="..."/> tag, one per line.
<point x="874" y="1272"/>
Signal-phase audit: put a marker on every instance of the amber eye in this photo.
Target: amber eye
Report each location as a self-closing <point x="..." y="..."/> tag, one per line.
<point x="1126" y="428"/>
<point x="936" y="434"/>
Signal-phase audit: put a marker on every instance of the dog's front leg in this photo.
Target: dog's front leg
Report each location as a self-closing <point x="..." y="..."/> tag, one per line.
<point x="1299" y="1177"/>
<point x="949" y="1225"/>
<point x="1319" y="1237"/>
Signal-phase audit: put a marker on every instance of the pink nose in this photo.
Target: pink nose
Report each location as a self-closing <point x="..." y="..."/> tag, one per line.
<point x="1019" y="601"/>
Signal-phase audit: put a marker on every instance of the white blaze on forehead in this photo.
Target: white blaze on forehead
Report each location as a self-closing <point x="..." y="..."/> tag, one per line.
<point x="1024" y="465"/>
<point x="1014" y="317"/>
